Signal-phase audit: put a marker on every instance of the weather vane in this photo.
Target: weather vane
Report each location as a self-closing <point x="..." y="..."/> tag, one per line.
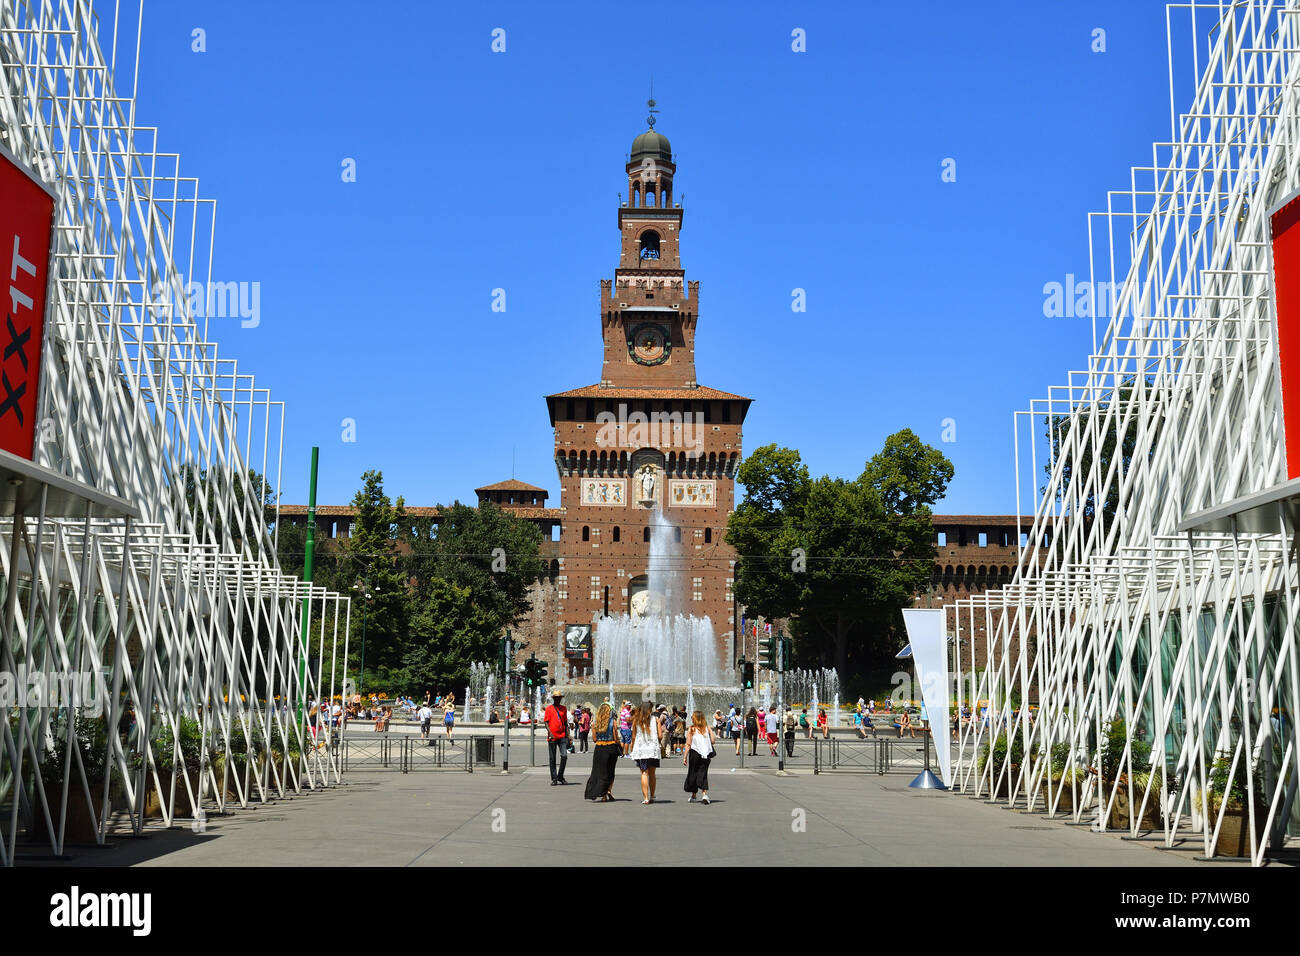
<point x="651" y="103"/>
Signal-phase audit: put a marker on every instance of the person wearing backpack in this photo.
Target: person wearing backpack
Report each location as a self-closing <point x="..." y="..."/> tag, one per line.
<point x="751" y="731"/>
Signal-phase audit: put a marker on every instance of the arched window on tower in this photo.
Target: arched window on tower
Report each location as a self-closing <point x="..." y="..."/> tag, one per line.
<point x="650" y="197"/>
<point x="649" y="244"/>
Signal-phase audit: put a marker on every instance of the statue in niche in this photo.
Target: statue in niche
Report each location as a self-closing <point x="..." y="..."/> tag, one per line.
<point x="648" y="483"/>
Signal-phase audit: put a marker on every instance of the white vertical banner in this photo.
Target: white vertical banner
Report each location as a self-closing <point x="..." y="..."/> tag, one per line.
<point x="925" y="632"/>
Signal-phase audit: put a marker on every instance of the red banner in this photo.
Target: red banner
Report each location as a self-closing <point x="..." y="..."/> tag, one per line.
<point x="26" y="224"/>
<point x="1286" y="290"/>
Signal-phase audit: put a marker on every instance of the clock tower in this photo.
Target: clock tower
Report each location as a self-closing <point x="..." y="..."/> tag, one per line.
<point x="647" y="437"/>
<point x="648" y="311"/>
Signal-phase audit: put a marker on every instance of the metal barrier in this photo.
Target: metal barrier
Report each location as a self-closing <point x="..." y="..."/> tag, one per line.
<point x="365" y="753"/>
<point x="878" y="755"/>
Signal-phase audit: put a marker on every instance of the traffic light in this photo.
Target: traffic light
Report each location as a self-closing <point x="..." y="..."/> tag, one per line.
<point x="767" y="653"/>
<point x="505" y="652"/>
<point x="787" y="653"/>
<point x="540" y="667"/>
<point x="530" y="670"/>
<point x="746" y="674"/>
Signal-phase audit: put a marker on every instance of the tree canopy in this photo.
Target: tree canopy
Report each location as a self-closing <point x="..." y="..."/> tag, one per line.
<point x="441" y="593"/>
<point x="839" y="557"/>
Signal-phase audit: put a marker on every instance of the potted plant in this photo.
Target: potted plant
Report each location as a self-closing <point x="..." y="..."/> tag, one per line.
<point x="1003" y="753"/>
<point x="1142" y="775"/>
<point x="1061" y="778"/>
<point x="90" y="736"/>
<point x="1227" y="791"/>
<point x="164" y="745"/>
<point x="241" y="749"/>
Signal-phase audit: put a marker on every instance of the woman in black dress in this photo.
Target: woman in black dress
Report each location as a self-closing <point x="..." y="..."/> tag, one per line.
<point x="605" y="758"/>
<point x="699" y="753"/>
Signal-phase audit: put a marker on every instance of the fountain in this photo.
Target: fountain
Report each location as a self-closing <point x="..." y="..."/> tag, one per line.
<point x="659" y="651"/>
<point x="487" y="702"/>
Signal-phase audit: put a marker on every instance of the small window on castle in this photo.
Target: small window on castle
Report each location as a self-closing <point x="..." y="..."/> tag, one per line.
<point x="984" y="539"/>
<point x="646" y="537"/>
<point x="943" y="539"/>
<point x="586" y="533"/>
<point x="1024" y="539"/>
<point x="555" y="532"/>
<point x="616" y="532"/>
<point x="677" y="535"/>
<point x="708" y="535"/>
<point x="649" y="243"/>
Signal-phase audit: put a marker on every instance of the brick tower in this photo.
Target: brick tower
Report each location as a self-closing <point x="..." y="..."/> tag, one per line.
<point x="646" y="435"/>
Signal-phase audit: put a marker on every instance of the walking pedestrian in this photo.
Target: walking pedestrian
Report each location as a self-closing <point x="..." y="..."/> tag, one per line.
<point x="751" y="731"/>
<point x="773" y="730"/>
<point x="449" y="715"/>
<point x="699" y="754"/>
<point x="648" y="735"/>
<point x="425" y="714"/>
<point x="584" y="727"/>
<point x="735" y="726"/>
<point x="600" y="785"/>
<point x="790" y="722"/>
<point x="557" y="736"/>
<point x="625" y="726"/>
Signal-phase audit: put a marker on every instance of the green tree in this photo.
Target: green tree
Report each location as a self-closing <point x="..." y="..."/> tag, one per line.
<point x="839" y="557"/>
<point x="216" y="501"/>
<point x="485" y="549"/>
<point x="449" y="629"/>
<point x="368" y="561"/>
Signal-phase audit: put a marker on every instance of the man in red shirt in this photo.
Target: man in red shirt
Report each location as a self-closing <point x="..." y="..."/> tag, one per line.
<point x="557" y="736"/>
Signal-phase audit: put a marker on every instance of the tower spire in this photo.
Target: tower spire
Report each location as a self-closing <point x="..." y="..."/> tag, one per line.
<point x="651" y="103"/>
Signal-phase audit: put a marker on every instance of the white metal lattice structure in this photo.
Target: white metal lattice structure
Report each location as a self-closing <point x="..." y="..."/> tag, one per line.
<point x="1188" y="639"/>
<point x="181" y="611"/>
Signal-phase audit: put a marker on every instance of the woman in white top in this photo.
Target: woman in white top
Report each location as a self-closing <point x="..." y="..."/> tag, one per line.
<point x="646" y="741"/>
<point x="699" y="753"/>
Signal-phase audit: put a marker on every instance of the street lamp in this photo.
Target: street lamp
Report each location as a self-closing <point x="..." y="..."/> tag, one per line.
<point x="368" y="594"/>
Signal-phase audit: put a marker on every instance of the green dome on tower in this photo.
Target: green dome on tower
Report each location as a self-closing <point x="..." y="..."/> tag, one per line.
<point x="652" y="145"/>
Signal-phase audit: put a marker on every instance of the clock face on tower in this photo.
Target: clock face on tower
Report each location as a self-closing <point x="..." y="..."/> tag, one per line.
<point x="649" y="344"/>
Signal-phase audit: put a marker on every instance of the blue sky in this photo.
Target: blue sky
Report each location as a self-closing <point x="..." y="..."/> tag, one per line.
<point x="818" y="170"/>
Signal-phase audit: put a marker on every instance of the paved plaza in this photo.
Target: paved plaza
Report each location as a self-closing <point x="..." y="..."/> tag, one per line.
<point x="758" y="817"/>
